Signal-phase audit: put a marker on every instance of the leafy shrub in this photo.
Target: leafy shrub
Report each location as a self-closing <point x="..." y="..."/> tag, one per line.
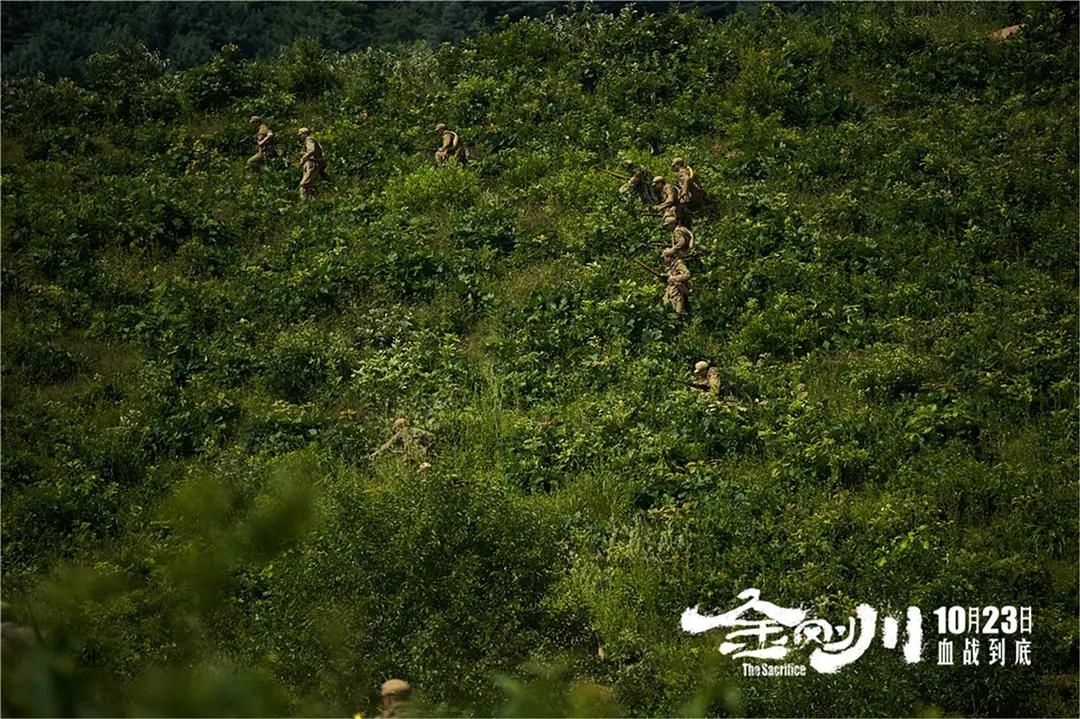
<point x="308" y="70"/>
<point x="220" y="82"/>
<point x="132" y="82"/>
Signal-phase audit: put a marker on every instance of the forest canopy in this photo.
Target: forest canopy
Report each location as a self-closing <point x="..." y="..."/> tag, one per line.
<point x="57" y="38"/>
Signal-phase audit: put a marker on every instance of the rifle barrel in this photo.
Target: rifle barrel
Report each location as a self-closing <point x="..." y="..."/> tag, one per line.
<point x="648" y="269"/>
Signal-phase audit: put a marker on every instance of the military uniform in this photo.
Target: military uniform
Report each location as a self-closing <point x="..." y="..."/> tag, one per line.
<point x="709" y="376"/>
<point x="264" y="145"/>
<point x="691" y="194"/>
<point x="634" y="183"/>
<point x="677" y="277"/>
<point x="638" y="184"/>
<point x="312" y="162"/>
<point x="1006" y="32"/>
<point x="397" y="710"/>
<point x="395" y="699"/>
<point x="451" y="146"/>
<point x="669" y="202"/>
<point x="682" y="240"/>
<point x="413" y="440"/>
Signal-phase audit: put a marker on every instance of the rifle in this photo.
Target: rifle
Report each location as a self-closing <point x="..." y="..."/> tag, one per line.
<point x="615" y="174"/>
<point x="425" y="149"/>
<point x="658" y="275"/>
<point x="695" y="385"/>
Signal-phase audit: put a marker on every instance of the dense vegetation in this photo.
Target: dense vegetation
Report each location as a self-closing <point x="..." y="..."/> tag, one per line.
<point x="57" y="38"/>
<point x="196" y="366"/>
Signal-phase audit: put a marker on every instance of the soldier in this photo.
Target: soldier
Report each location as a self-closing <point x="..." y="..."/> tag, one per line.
<point x="682" y="239"/>
<point x="451" y="146"/>
<point x="414" y="441"/>
<point x="312" y="162"/>
<point x="637" y="185"/>
<point x="691" y="194"/>
<point x="395" y="698"/>
<point x="669" y="200"/>
<point x="677" y="278"/>
<point x="709" y="378"/>
<point x="1006" y="32"/>
<point x="264" y="143"/>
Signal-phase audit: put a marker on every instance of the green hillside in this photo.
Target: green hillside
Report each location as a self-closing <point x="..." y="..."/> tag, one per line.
<point x="196" y="367"/>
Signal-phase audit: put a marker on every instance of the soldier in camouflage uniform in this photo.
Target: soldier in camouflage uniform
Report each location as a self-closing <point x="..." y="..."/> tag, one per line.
<point x="264" y="143"/>
<point x="677" y="278"/>
<point x="451" y="146"/>
<point x="708" y="378"/>
<point x="395" y="698"/>
<point x="413" y="440"/>
<point x="637" y="184"/>
<point x="691" y="194"/>
<point x="312" y="162"/>
<point x="669" y="200"/>
<point x="682" y="239"/>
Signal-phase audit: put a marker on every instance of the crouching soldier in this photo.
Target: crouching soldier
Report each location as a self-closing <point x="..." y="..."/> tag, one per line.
<point x="411" y="442"/>
<point x="707" y="378"/>
<point x="451" y="146"/>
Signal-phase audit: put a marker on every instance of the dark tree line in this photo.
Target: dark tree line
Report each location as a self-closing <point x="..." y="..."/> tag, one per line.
<point x="57" y="38"/>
